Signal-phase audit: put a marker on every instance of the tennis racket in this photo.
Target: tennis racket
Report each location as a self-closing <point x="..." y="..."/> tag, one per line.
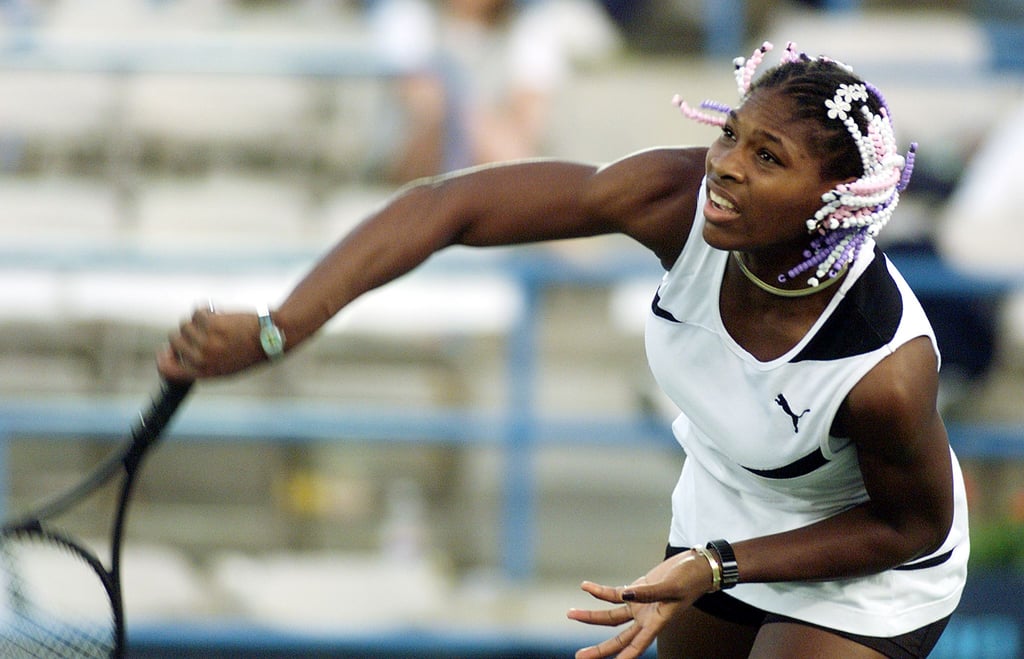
<point x="57" y="599"/>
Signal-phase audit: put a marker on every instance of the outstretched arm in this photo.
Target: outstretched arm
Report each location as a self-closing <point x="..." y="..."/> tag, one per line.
<point x="649" y="196"/>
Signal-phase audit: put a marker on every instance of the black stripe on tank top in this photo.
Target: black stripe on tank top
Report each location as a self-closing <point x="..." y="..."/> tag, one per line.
<point x="927" y="563"/>
<point x="659" y="312"/>
<point x="804" y="465"/>
<point x="865" y="320"/>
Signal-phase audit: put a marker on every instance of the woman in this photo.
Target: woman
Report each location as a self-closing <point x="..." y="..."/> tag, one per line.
<point x="809" y="404"/>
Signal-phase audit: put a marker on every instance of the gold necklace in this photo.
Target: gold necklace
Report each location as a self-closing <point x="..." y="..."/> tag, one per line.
<point x="786" y="292"/>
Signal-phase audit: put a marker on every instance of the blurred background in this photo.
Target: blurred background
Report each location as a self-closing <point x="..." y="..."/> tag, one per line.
<point x="436" y="472"/>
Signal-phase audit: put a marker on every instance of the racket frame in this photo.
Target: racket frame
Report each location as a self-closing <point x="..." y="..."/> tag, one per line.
<point x="144" y="432"/>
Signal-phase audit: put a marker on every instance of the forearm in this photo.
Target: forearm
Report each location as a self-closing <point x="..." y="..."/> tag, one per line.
<point x="383" y="247"/>
<point x="854" y="543"/>
<point x="503" y="205"/>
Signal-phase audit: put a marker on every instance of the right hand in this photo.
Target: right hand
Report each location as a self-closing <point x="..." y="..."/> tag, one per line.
<point x="211" y="344"/>
<point x="646" y="605"/>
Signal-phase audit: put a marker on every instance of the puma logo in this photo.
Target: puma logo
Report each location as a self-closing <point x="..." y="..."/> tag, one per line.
<point x="781" y="401"/>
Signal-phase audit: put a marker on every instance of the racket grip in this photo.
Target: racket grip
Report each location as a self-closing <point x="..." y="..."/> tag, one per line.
<point x="151" y="423"/>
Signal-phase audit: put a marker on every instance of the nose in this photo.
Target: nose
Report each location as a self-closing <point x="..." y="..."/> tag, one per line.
<point x="725" y="164"/>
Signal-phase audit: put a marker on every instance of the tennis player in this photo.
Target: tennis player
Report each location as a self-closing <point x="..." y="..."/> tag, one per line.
<point x="820" y="511"/>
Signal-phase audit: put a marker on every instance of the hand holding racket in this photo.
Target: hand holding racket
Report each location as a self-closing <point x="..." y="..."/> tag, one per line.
<point x="212" y="344"/>
<point x="57" y="599"/>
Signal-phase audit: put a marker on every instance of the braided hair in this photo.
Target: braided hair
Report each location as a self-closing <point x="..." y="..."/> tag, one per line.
<point x="856" y="141"/>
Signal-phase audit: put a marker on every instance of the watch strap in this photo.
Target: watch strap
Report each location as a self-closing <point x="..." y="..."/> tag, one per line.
<point x="727" y="561"/>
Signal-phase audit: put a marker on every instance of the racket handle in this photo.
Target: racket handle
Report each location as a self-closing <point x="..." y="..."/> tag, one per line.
<point x="151" y="423"/>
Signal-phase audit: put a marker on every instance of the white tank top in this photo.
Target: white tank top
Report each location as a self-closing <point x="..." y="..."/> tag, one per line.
<point x="760" y="459"/>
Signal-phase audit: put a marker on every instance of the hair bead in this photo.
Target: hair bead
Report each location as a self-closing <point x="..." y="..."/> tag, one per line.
<point x="745" y="68"/>
<point x="703" y="117"/>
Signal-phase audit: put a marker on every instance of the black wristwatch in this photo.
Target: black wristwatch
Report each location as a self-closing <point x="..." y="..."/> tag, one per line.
<point x="727" y="559"/>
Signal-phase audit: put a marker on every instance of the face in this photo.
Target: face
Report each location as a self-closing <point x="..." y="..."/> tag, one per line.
<point x="764" y="181"/>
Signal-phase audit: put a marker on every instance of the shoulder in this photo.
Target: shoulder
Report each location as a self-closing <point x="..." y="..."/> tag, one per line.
<point x="651" y="196"/>
<point x="894" y="405"/>
<point x="906" y="380"/>
<point x="657" y="170"/>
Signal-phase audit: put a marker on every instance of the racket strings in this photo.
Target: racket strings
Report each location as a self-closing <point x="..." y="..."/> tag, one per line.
<point x="30" y="639"/>
<point x="54" y="600"/>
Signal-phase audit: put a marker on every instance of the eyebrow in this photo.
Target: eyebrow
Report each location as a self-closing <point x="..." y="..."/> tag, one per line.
<point x="770" y="137"/>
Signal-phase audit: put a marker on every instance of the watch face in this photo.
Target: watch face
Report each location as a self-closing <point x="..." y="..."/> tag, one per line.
<point x="272" y="341"/>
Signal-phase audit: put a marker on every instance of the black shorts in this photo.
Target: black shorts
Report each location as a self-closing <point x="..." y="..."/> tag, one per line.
<point x="912" y="645"/>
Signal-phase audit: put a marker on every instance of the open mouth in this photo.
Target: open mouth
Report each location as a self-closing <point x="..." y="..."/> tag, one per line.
<point x="720" y="202"/>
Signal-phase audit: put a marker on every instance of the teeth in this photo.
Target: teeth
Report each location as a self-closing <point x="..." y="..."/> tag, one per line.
<point x="719" y="201"/>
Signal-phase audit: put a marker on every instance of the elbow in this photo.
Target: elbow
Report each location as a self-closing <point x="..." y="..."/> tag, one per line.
<point x="936" y="533"/>
<point x="434" y="210"/>
<point x="926" y="534"/>
<point x="938" y="520"/>
<point x="913" y="534"/>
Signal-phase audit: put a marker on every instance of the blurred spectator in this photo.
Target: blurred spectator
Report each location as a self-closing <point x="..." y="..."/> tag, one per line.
<point x="694" y="27"/>
<point x="982" y="226"/>
<point x="481" y="76"/>
<point x="975" y="226"/>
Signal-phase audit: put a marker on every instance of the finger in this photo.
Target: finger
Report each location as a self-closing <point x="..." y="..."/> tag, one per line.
<point x="647" y="593"/>
<point x="605" y="617"/>
<point x="606" y="593"/>
<point x="190" y="333"/>
<point x="201" y="317"/>
<point x="638" y="645"/>
<point x="170" y="367"/>
<point x="185" y="345"/>
<point x="618" y="646"/>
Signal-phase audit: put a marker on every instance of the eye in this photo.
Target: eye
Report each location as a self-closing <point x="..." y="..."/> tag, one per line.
<point x="728" y="133"/>
<point x="768" y="157"/>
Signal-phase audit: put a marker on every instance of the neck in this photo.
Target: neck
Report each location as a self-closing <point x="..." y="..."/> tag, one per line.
<point x="785" y="292"/>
